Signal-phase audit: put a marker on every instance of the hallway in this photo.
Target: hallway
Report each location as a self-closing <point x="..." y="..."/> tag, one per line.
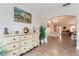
<point x="55" y="47"/>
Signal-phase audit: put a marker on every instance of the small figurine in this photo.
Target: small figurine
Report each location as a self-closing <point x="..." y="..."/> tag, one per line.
<point x="5" y="31"/>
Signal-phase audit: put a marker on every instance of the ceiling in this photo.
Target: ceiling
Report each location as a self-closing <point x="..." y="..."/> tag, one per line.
<point x="63" y="20"/>
<point x="44" y="9"/>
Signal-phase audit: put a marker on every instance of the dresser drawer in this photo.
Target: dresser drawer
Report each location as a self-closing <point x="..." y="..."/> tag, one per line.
<point x="12" y="46"/>
<point x="35" y="44"/>
<point x="26" y="37"/>
<point x="24" y="49"/>
<point x="26" y="42"/>
<point x="30" y="46"/>
<point x="14" y="53"/>
<point x="8" y="40"/>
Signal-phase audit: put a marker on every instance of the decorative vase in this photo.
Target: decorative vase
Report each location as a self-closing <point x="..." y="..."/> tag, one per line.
<point x="25" y="30"/>
<point x="5" y="31"/>
<point x="34" y="29"/>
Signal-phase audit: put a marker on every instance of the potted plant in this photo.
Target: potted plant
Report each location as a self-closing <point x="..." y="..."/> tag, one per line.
<point x="42" y="34"/>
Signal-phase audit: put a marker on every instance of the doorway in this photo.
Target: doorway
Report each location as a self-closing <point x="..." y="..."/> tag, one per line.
<point x="61" y="30"/>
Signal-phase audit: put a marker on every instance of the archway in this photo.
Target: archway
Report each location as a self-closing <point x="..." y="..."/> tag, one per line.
<point x="62" y="29"/>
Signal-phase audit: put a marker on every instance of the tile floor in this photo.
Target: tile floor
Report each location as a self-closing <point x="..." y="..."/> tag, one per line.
<point x="55" y="47"/>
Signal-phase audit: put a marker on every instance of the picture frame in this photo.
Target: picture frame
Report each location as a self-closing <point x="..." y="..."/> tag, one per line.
<point x="22" y="16"/>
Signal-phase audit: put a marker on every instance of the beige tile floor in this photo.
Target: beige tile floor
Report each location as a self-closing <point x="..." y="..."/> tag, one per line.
<point x="55" y="47"/>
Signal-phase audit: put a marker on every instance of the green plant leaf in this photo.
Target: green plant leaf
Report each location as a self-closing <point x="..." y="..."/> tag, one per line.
<point x="42" y="32"/>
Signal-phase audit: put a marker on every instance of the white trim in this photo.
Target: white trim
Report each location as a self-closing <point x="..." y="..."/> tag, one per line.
<point x="77" y="48"/>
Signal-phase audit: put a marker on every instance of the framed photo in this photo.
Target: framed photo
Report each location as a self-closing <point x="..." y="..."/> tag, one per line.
<point x="22" y="16"/>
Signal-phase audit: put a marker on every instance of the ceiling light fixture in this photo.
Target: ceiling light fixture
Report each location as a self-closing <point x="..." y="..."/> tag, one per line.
<point x="65" y="4"/>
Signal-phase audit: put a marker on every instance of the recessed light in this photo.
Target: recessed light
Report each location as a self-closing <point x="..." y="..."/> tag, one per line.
<point x="49" y="22"/>
<point x="55" y="21"/>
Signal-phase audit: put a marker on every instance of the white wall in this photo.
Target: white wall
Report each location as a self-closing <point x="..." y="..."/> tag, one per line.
<point x="7" y="18"/>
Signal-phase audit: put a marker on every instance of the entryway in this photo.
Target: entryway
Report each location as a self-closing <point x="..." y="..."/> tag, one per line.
<point x="61" y="31"/>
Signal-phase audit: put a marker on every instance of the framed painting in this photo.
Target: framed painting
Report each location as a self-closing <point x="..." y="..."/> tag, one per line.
<point x="22" y="16"/>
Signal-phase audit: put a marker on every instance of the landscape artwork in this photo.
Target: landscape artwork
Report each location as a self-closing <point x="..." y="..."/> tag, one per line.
<point x="21" y="16"/>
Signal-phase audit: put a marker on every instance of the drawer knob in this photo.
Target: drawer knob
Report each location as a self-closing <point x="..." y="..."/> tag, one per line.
<point x="14" y="46"/>
<point x="24" y="42"/>
<point x="14" y="39"/>
<point x="24" y="48"/>
<point x="13" y="53"/>
<point x="24" y="37"/>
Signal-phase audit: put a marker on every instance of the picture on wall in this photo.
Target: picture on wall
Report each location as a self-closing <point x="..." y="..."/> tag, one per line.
<point x="22" y="16"/>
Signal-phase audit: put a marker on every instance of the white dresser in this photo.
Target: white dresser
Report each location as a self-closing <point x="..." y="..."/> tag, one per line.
<point x="18" y="44"/>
